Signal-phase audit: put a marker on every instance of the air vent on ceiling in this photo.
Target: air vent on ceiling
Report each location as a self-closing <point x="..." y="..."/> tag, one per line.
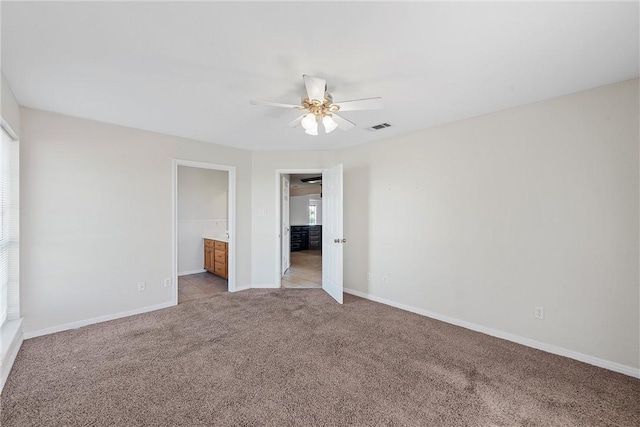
<point x="380" y="126"/>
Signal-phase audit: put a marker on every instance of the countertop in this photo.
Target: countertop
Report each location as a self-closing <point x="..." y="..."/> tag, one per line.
<point x="222" y="238"/>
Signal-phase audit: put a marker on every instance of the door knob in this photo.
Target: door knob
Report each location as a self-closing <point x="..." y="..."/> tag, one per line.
<point x="336" y="240"/>
<point x="344" y="241"/>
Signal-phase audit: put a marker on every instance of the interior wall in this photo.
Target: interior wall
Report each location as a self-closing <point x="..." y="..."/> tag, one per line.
<point x="483" y="219"/>
<point x="10" y="110"/>
<point x="96" y="216"/>
<point x="265" y="250"/>
<point x="202" y="211"/>
<point x="299" y="209"/>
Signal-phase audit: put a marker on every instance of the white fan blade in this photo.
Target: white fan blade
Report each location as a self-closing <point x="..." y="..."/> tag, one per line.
<point x="315" y="87"/>
<point x="275" y="104"/>
<point x="343" y="123"/>
<point x="296" y="122"/>
<point x="360" y="104"/>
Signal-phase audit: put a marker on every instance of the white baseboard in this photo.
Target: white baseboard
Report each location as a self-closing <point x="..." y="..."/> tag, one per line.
<point x="549" y="348"/>
<point x="11" y="342"/>
<point x="86" y="322"/>
<point x="186" y="273"/>
<point x="241" y="288"/>
<point x="264" y="286"/>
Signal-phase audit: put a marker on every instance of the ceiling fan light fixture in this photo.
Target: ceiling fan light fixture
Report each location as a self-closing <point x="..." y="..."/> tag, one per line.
<point x="309" y="122"/>
<point x="313" y="131"/>
<point x="329" y="124"/>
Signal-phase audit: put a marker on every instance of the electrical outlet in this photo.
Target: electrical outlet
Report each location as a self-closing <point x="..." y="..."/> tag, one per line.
<point x="385" y="279"/>
<point x="142" y="286"/>
<point x="262" y="212"/>
<point x="538" y="313"/>
<point x="167" y="282"/>
<point x="368" y="277"/>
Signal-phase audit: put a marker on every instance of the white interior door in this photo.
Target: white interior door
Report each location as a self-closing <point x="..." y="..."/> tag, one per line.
<point x="332" y="232"/>
<point x="286" y="228"/>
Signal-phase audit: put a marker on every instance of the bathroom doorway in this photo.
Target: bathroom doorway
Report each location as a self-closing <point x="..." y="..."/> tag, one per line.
<point x="204" y="224"/>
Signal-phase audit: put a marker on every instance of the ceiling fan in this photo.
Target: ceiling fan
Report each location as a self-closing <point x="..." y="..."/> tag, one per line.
<point x="318" y="107"/>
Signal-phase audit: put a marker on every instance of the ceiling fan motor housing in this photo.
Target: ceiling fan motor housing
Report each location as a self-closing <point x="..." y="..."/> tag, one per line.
<point x="328" y="99"/>
<point x="317" y="108"/>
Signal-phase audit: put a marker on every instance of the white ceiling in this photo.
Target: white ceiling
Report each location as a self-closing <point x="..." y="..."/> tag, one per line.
<point x="190" y="69"/>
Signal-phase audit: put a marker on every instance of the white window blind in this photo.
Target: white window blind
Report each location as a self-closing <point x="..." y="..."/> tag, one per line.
<point x="9" y="228"/>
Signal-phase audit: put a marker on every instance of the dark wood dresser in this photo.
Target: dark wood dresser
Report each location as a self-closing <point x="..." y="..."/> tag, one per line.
<point x="306" y="237"/>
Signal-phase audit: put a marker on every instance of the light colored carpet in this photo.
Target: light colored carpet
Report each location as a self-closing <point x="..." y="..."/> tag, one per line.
<point x="296" y="358"/>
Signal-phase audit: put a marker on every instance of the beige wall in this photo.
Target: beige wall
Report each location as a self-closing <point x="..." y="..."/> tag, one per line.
<point x="483" y="219"/>
<point x="202" y="194"/>
<point x="10" y="110"/>
<point x="96" y="215"/>
<point x="299" y="209"/>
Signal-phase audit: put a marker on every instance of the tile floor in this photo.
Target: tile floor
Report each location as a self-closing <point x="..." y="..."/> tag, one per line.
<point x="305" y="270"/>
<point x="200" y="285"/>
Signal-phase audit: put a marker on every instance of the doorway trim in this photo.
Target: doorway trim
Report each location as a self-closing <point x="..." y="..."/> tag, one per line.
<point x="231" y="206"/>
<point x="278" y="215"/>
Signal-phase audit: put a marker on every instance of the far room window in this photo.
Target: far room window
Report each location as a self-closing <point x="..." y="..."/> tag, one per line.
<point x="312" y="215"/>
<point x="9" y="160"/>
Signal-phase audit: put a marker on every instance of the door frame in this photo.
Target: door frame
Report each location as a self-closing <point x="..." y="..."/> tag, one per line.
<point x="283" y="240"/>
<point x="231" y="214"/>
<point x="278" y="215"/>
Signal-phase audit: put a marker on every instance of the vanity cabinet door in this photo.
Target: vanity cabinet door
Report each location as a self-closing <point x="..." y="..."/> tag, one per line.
<point x="209" y="261"/>
<point x="216" y="257"/>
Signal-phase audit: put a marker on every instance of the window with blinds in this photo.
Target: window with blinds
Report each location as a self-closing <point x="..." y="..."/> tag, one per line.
<point x="9" y="226"/>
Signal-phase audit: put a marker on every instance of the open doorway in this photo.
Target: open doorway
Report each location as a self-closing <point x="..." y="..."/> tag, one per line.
<point x="330" y="236"/>
<point x="204" y="220"/>
<point x="302" y="206"/>
<point x="300" y="228"/>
